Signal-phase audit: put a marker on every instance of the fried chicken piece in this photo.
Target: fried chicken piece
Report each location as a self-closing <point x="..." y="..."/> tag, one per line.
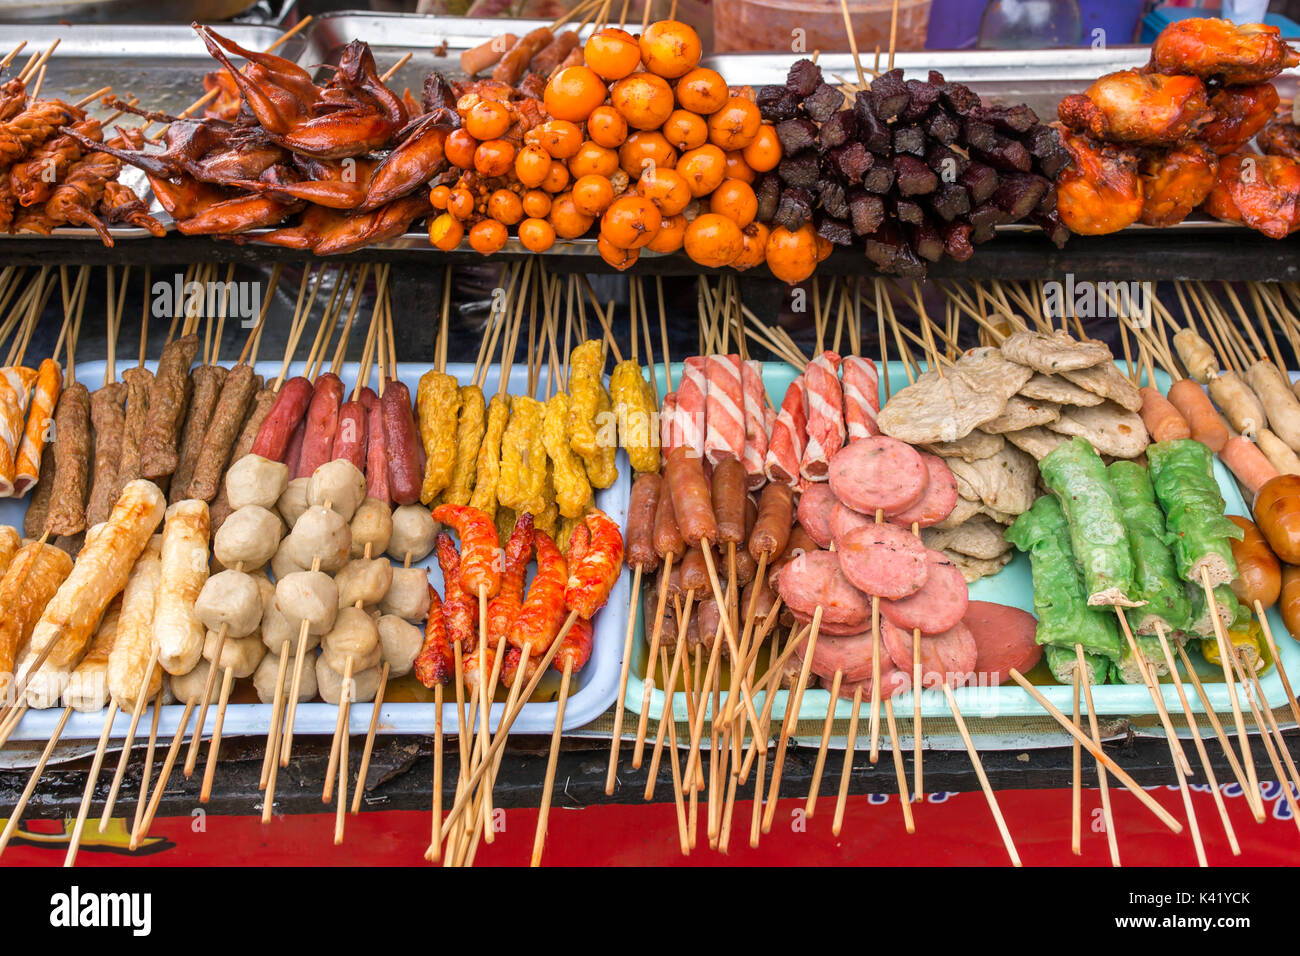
<point x="1099" y="192"/>
<point x="1145" y="109"/>
<point x="1176" y="182"/>
<point x="1207" y="47"/>
<point x="1262" y="192"/>
<point x="1280" y="138"/>
<point x="1239" y="113"/>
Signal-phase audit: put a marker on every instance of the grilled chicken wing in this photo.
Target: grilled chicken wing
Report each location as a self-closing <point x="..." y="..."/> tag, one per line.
<point x="1100" y="191"/>
<point x="1206" y="47"/>
<point x="1176" y="181"/>
<point x="1239" y="113"/>
<point x="1262" y="192"/>
<point x="1280" y="138"/>
<point x="1145" y="109"/>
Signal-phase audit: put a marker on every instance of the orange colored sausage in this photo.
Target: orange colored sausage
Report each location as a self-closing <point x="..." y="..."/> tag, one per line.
<point x="1289" y="604"/>
<point x="1248" y="463"/>
<point x="1163" y="421"/>
<point x="1277" y="513"/>
<point x="1202" y="417"/>
<point x="1259" y="571"/>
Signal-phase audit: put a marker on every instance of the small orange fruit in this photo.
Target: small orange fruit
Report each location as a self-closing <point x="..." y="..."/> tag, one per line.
<point x="670" y="48"/>
<point x="536" y="235"/>
<point x="755" y="246"/>
<point x="737" y="168"/>
<point x="670" y="236"/>
<point x="461" y="203"/>
<point x="557" y="178"/>
<point x="792" y="256"/>
<point x="616" y="256"/>
<point x="536" y="203"/>
<point x="446" y="232"/>
<point x="764" y="151"/>
<point x="459" y="148"/>
<point x="612" y="53"/>
<point x="488" y="236"/>
<point x="560" y="138"/>
<point x="713" y="241"/>
<point x="593" y="159"/>
<point x="630" y="222"/>
<point x="532" y="163"/>
<point x="704" y="169"/>
<point x="488" y="120"/>
<point x="735" y="200"/>
<point x="565" y="218"/>
<point x="438" y="196"/>
<point x="646" y="149"/>
<point x="505" y="207"/>
<point x="494" y="157"/>
<point x="735" y="125"/>
<point x="573" y="93"/>
<point x="644" y="100"/>
<point x="702" y="91"/>
<point x="606" y="127"/>
<point x="685" y="130"/>
<point x="592" y="194"/>
<point x="666" y="188"/>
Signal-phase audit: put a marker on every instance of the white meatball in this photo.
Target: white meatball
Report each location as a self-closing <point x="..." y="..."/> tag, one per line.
<point x="329" y="683"/>
<point x="250" y="535"/>
<point x="277" y="631"/>
<point x="283" y="563"/>
<point x="354" y="635"/>
<point x="339" y="485"/>
<point x="320" y="533"/>
<point x="401" y="642"/>
<point x="189" y="686"/>
<point x="266" y="589"/>
<point x="372" y="525"/>
<point x="408" y="595"/>
<point x="264" y="679"/>
<point x="414" y="532"/>
<point x="309" y="596"/>
<point x="364" y="581"/>
<point x="293" y="501"/>
<point x="242" y="654"/>
<point x="230" y="598"/>
<point x="254" y="480"/>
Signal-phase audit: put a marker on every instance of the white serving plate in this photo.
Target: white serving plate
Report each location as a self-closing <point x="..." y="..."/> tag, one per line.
<point x="1013" y="586"/>
<point x="593" y="689"/>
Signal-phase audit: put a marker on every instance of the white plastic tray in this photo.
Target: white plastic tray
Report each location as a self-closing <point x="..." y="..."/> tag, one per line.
<point x="592" y="691"/>
<point x="1013" y="586"/>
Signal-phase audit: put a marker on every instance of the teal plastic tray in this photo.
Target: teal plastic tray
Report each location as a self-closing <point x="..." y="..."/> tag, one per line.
<point x="1013" y="586"/>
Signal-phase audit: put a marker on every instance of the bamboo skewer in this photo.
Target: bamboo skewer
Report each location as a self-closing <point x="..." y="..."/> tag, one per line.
<point x="1103" y="785"/>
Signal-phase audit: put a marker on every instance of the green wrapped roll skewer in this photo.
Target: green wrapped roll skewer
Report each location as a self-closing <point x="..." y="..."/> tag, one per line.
<point x="1154" y="574"/>
<point x="1182" y="473"/>
<point x="1060" y="601"/>
<point x="1076" y="475"/>
<point x="1064" y="662"/>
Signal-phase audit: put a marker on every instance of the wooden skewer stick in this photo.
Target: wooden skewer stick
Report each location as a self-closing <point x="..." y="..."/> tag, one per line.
<point x="846" y="774"/>
<point x="1076" y="777"/>
<point x="793" y="702"/>
<point x="16" y="815"/>
<point x="1120" y="774"/>
<point x="1282" y="780"/>
<point x="539" y="837"/>
<point x="1225" y="658"/>
<point x="136" y="712"/>
<point x="151" y="746"/>
<point x="1229" y="751"/>
<point x="1277" y="660"/>
<point x="979" y="772"/>
<point x="83" y="811"/>
<point x="1196" y="739"/>
<point x="435" y="845"/>
<point x="1260" y="703"/>
<point x="1107" y="817"/>
<point x="810" y="806"/>
<point x="362" y="771"/>
<point x="141" y="829"/>
<point x="622" y="682"/>
<point x="656" y="631"/>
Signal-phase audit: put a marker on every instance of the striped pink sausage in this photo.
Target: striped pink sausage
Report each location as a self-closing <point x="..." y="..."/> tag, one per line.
<point x="751" y="383"/>
<point x="789" y="431"/>
<point x="724" y="433"/>
<point x="861" y="396"/>
<point x="692" y="392"/>
<point x="825" y="416"/>
<point x="670" y="433"/>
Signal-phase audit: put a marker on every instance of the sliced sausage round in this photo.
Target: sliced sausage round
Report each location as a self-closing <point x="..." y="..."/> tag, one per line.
<point x="939" y="499"/>
<point x="892" y="681"/>
<point x="1004" y="638"/>
<point x="831" y="628"/>
<point x="814" y="512"/>
<point x="844" y="521"/>
<point x="949" y="655"/>
<point x="850" y="654"/>
<point x="884" y="561"/>
<point x="939" y="604"/>
<point x="815" y="579"/>
<point x="878" y="473"/>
